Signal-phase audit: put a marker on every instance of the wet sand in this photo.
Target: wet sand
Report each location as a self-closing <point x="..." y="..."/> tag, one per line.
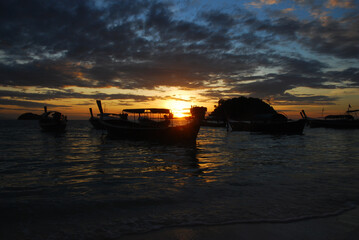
<point x="341" y="227"/>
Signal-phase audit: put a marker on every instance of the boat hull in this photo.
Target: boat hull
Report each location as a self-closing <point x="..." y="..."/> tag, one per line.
<point x="213" y="124"/>
<point x="95" y="122"/>
<point x="240" y="126"/>
<point x="338" y="124"/>
<point x="52" y="121"/>
<point x="53" y="125"/>
<point x="290" y="127"/>
<point x="172" y="134"/>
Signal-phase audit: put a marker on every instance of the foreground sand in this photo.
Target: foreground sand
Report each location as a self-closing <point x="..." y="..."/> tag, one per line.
<point x="341" y="227"/>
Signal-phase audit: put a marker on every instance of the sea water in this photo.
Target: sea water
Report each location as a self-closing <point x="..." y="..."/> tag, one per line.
<point x="79" y="184"/>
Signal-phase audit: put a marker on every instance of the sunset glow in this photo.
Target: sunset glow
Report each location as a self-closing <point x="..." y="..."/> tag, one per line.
<point x="179" y="108"/>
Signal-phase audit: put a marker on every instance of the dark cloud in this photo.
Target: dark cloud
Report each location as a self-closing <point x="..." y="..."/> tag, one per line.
<point x="332" y="37"/>
<point x="28" y="104"/>
<point x="337" y="39"/>
<point x="289" y="99"/>
<point x="137" y="44"/>
<point x="297" y="74"/>
<point x="57" y="94"/>
<point x="219" y="19"/>
<point x="349" y="77"/>
<point x="282" y="26"/>
<point x="41" y="74"/>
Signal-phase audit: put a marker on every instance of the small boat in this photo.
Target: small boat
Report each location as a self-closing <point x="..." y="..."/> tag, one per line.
<point x="153" y="124"/>
<point x="52" y="121"/>
<point x="342" y="121"/>
<point x="213" y="123"/>
<point x="270" y="125"/>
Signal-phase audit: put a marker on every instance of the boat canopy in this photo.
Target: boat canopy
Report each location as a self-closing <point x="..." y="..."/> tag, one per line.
<point x="147" y="110"/>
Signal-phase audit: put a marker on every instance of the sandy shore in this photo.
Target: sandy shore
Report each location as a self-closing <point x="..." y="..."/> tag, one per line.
<point x="341" y="227"/>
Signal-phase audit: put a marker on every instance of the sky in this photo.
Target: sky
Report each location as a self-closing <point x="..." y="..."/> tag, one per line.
<point x="298" y="54"/>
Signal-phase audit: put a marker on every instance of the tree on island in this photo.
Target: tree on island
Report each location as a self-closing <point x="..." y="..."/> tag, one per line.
<point x="245" y="109"/>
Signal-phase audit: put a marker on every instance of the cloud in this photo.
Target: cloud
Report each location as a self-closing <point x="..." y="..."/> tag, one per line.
<point x="289" y="99"/>
<point x="28" y="104"/>
<point x="349" y="77"/>
<point x="340" y="4"/>
<point x="287" y="10"/>
<point x="335" y="38"/>
<point x="261" y="3"/>
<point x="140" y="44"/>
<point x="217" y="18"/>
<point x="62" y="94"/>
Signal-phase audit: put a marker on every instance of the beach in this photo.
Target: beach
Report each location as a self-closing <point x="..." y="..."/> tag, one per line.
<point x="341" y="227"/>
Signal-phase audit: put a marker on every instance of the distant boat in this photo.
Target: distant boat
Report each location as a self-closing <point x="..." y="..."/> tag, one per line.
<point x="269" y="125"/>
<point x="152" y="124"/>
<point x="343" y="121"/>
<point x="212" y="123"/>
<point x="52" y="121"/>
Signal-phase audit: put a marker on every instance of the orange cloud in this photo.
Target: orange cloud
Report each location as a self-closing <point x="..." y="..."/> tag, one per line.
<point x="263" y="2"/>
<point x="322" y="16"/>
<point x="340" y="4"/>
<point x="287" y="10"/>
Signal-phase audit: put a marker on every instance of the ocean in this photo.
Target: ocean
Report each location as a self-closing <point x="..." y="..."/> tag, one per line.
<point x="82" y="185"/>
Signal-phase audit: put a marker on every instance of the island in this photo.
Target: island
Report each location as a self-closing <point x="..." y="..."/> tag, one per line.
<point x="244" y="109"/>
<point x="28" y="116"/>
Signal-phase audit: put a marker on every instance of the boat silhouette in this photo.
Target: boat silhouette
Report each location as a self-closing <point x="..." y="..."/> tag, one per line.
<point x="52" y="120"/>
<point x="152" y="124"/>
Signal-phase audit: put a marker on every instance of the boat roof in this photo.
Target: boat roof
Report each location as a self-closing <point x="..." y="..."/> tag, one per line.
<point x="147" y="110"/>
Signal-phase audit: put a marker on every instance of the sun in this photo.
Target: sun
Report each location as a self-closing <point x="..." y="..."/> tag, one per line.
<point x="179" y="108"/>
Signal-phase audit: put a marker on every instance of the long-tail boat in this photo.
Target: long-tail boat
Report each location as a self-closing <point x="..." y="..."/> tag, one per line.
<point x="340" y="121"/>
<point x="52" y="121"/>
<point x="95" y="121"/>
<point x="153" y="124"/>
<point x="109" y="117"/>
<point x="271" y="125"/>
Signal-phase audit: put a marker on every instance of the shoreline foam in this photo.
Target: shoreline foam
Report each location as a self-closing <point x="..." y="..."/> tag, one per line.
<point x="340" y="227"/>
